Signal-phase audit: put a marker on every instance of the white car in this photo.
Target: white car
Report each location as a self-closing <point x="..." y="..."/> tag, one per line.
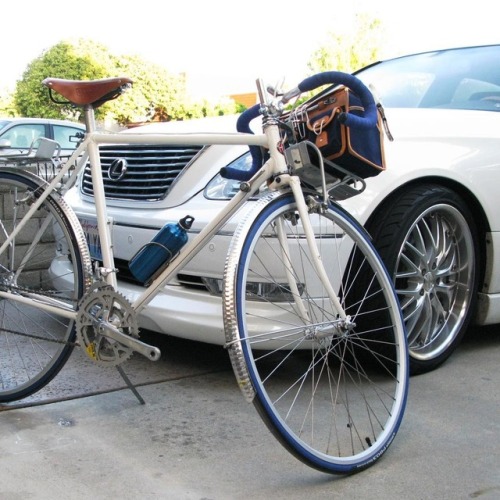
<point x="433" y="214"/>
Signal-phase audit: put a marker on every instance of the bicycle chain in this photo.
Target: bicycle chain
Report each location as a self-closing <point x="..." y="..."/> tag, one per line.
<point x="39" y="337"/>
<point x="34" y="336"/>
<point x="87" y="337"/>
<point x="17" y="288"/>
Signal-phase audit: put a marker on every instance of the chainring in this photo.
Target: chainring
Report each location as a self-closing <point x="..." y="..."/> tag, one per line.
<point x="102" y="302"/>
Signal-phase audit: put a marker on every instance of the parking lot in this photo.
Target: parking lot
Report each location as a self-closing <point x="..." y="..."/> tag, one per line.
<point x="88" y="436"/>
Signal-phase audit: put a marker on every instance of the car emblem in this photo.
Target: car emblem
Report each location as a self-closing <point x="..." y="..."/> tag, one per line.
<point x="117" y="169"/>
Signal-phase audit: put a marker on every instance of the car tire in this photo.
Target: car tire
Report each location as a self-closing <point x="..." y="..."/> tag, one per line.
<point x="428" y="240"/>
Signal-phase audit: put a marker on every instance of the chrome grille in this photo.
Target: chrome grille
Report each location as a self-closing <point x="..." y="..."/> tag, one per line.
<point x="151" y="170"/>
<point x="192" y="282"/>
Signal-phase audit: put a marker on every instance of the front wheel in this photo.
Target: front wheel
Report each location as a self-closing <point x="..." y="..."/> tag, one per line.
<point x="332" y="392"/>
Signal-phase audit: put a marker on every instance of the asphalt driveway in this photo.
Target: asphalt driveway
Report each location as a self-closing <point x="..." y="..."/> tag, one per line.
<point x="87" y="435"/>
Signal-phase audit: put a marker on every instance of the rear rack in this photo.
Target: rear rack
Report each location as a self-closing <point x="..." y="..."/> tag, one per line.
<point x="42" y="158"/>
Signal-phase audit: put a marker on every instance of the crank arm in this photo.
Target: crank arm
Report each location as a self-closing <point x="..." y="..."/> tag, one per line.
<point x="109" y="331"/>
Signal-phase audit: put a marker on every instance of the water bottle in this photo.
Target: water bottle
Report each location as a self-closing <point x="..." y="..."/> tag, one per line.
<point x="160" y="250"/>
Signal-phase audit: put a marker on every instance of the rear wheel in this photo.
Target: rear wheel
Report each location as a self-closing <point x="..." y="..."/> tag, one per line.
<point x="44" y="262"/>
<point x="428" y="241"/>
<point x="332" y="392"/>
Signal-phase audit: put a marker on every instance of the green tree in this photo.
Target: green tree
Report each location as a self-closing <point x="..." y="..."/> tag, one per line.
<point x="349" y="51"/>
<point x="159" y="95"/>
<point x="155" y="93"/>
<point x="80" y="60"/>
<point x="7" y="106"/>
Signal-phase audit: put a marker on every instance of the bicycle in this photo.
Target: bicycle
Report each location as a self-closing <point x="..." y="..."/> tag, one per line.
<point x="312" y="323"/>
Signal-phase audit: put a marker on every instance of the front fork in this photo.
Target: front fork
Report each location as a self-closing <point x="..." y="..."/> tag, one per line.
<point x="317" y="262"/>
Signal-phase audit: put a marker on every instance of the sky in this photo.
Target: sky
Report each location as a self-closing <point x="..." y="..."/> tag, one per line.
<point x="225" y="45"/>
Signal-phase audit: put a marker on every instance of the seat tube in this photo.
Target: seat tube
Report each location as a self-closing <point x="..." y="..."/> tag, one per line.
<point x="103" y="222"/>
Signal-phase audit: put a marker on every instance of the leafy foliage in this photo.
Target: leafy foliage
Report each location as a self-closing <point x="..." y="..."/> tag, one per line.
<point x="83" y="60"/>
<point x="7" y="106"/>
<point x="349" y="51"/>
<point x="155" y="94"/>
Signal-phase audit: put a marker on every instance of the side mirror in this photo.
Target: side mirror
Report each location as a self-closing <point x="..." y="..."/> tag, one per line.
<point x="5" y="144"/>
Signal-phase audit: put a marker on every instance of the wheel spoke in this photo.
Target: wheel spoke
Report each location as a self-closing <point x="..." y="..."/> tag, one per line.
<point x="432" y="279"/>
<point x="34" y="344"/>
<point x="332" y="391"/>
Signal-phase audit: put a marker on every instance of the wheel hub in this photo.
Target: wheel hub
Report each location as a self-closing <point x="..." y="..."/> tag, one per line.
<point x="429" y="282"/>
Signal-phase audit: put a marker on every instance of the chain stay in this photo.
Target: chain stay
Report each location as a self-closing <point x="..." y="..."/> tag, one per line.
<point x="39" y="337"/>
<point x="21" y="290"/>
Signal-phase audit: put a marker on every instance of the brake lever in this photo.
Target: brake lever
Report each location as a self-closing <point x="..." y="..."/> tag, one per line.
<point x="277" y="90"/>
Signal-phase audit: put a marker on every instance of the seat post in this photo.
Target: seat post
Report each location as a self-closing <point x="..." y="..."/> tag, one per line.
<point x="89" y="117"/>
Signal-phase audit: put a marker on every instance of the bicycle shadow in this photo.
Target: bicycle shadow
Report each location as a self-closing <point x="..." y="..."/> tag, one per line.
<point x="182" y="358"/>
<point x="82" y="377"/>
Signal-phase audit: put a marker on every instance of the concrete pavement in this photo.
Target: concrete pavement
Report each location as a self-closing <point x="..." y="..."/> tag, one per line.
<point x="87" y="436"/>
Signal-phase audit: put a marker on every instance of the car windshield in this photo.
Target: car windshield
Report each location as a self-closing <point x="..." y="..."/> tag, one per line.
<point x="3" y="123"/>
<point x="467" y="78"/>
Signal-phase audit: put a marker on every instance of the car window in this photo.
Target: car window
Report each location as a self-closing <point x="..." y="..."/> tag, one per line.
<point x="22" y="136"/>
<point x="466" y="78"/>
<point x="470" y="89"/>
<point x="67" y="137"/>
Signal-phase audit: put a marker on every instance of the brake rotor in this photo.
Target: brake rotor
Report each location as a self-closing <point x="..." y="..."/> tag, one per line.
<point x="103" y="303"/>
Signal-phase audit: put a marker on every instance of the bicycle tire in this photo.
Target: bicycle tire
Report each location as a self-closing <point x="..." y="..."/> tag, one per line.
<point x="49" y="258"/>
<point x="334" y="399"/>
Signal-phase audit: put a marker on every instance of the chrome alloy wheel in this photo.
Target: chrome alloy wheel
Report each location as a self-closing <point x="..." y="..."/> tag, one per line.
<point x="433" y="279"/>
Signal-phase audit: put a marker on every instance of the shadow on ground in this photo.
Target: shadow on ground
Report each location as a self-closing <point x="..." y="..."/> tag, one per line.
<point x="182" y="359"/>
<point x="82" y="377"/>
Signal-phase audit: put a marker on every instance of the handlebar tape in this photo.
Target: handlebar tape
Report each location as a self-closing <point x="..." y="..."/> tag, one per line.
<point x="368" y="120"/>
<point x="370" y="116"/>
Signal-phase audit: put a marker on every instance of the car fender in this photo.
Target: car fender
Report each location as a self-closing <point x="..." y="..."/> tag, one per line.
<point x="438" y="153"/>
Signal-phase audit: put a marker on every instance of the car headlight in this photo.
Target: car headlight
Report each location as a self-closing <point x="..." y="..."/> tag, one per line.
<point x="224" y="189"/>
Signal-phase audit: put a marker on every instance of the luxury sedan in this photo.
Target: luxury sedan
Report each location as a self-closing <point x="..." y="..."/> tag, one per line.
<point x="433" y="214"/>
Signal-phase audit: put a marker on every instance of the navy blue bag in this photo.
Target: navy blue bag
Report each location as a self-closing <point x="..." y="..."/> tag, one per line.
<point x="358" y="150"/>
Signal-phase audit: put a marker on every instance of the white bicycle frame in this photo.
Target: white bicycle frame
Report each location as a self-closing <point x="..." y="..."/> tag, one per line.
<point x="275" y="167"/>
